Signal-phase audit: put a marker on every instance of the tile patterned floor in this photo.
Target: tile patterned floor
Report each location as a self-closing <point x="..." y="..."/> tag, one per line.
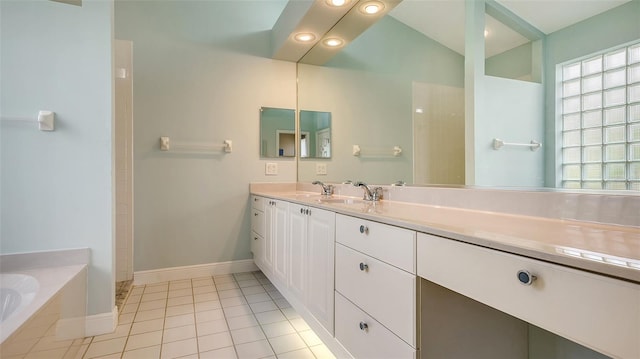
<point x="230" y="316"/>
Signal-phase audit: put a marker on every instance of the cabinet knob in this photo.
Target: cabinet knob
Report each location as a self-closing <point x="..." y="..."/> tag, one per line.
<point x="363" y="266"/>
<point x="364" y="326"/>
<point x="525" y="277"/>
<point x="255" y="238"/>
<point x="302" y="210"/>
<point x="364" y="229"/>
<point x="308" y="212"/>
<point x="255" y="214"/>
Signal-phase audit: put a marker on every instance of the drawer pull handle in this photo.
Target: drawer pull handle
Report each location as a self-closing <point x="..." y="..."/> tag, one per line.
<point x="364" y="267"/>
<point x="364" y="229"/>
<point x="525" y="277"/>
<point x="364" y="326"/>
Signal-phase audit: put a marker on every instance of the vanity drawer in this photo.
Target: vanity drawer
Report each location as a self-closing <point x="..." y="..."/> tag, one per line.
<point x="258" y="222"/>
<point x="384" y="291"/>
<point x="390" y="244"/>
<point x="598" y="312"/>
<point x="374" y="341"/>
<point x="257" y="203"/>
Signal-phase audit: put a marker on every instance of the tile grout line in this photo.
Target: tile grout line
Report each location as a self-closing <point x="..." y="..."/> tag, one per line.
<point x="226" y="320"/>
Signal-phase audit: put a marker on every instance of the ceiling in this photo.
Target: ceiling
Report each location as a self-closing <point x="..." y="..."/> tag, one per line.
<point x="443" y="20"/>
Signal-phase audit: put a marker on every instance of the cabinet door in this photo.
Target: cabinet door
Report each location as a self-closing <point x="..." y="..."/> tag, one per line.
<point x="269" y="218"/>
<point x="298" y="250"/>
<point x="257" y="248"/>
<point x="321" y="226"/>
<point x="280" y="240"/>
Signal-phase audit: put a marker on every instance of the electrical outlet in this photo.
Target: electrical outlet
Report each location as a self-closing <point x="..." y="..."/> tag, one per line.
<point x="271" y="168"/>
<point x="321" y="169"/>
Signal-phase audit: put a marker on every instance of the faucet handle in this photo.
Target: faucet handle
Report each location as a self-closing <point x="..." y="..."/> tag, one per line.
<point x="376" y="194"/>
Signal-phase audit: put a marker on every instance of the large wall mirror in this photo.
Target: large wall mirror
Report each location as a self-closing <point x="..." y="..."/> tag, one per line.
<point x="277" y="132"/>
<point x="407" y="83"/>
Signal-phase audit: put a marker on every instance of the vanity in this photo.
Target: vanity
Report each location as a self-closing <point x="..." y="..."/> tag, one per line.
<point x="396" y="279"/>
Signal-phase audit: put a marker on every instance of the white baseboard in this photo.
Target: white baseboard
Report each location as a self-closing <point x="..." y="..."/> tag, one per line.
<point x="102" y="323"/>
<point x="194" y="271"/>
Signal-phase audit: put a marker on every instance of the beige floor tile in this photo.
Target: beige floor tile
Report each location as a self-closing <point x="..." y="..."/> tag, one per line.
<point x="290" y="313"/>
<point x="136" y="290"/>
<point x="237" y="311"/>
<point x="156" y="288"/>
<point x="224" y="278"/>
<point x="179" y="310"/>
<point x="304" y="353"/>
<point x="247" y="335"/>
<point x="143" y="315"/>
<point x="242" y="322"/>
<point x="179" y="349"/>
<point x="243" y="276"/>
<point x="143" y="353"/>
<point x="299" y="324"/>
<point x="209" y="315"/>
<point x="48" y="354"/>
<point x="187" y="299"/>
<point x="122" y="330"/>
<point x="134" y="298"/>
<point x="282" y="303"/>
<point x="180" y="292"/>
<point x="179" y="321"/>
<point x="253" y="290"/>
<point x="222" y="353"/>
<point x="263" y="306"/>
<point x="230" y="293"/>
<point x="278" y="329"/>
<point x="210" y="305"/>
<point x="212" y="327"/>
<point x="144" y="340"/>
<point x="204" y="281"/>
<point x="105" y="347"/>
<point x="231" y="302"/>
<point x="287" y="343"/>
<point x="214" y="341"/>
<point x="179" y="333"/>
<point x="227" y="286"/>
<point x="248" y="283"/>
<point x="322" y="352"/>
<point x="129" y="308"/>
<point x="258" y="297"/>
<point x="146" y="297"/>
<point x="126" y="318"/>
<point x="179" y="285"/>
<point x="310" y="338"/>
<point x="204" y="289"/>
<point x="271" y="316"/>
<point x="153" y="304"/>
<point x="205" y="297"/>
<point x="147" y="326"/>
<point x="254" y="350"/>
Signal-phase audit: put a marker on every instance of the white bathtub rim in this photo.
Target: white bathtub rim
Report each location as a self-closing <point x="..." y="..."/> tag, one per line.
<point x="51" y="281"/>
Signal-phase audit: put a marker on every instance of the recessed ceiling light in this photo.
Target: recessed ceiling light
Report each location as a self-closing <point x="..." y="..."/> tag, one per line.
<point x="333" y="42"/>
<point x="371" y="7"/>
<point x="337" y="3"/>
<point x="304" y="37"/>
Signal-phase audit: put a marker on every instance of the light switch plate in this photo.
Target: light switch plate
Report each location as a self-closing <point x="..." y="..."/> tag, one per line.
<point x="321" y="168"/>
<point x="271" y="168"/>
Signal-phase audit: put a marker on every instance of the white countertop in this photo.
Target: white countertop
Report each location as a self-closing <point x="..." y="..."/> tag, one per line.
<point x="606" y="249"/>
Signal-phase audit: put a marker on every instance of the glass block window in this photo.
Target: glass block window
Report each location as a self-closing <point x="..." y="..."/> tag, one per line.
<point x="600" y="100"/>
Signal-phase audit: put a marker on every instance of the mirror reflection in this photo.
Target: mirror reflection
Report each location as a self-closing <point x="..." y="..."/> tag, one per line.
<point x="277" y="132"/>
<point x="439" y="80"/>
<point x="315" y="134"/>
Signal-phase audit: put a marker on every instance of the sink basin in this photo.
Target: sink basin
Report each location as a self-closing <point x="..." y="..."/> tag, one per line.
<point x="341" y="201"/>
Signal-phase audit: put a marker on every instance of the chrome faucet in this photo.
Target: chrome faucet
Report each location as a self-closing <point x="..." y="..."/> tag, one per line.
<point x="327" y="189"/>
<point x="369" y="194"/>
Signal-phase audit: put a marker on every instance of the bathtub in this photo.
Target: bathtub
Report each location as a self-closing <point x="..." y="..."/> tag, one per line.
<point x="42" y="306"/>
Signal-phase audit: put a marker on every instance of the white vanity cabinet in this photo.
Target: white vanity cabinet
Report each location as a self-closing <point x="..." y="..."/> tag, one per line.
<point x="376" y="289"/>
<point x="598" y="312"/>
<point x="311" y="279"/>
